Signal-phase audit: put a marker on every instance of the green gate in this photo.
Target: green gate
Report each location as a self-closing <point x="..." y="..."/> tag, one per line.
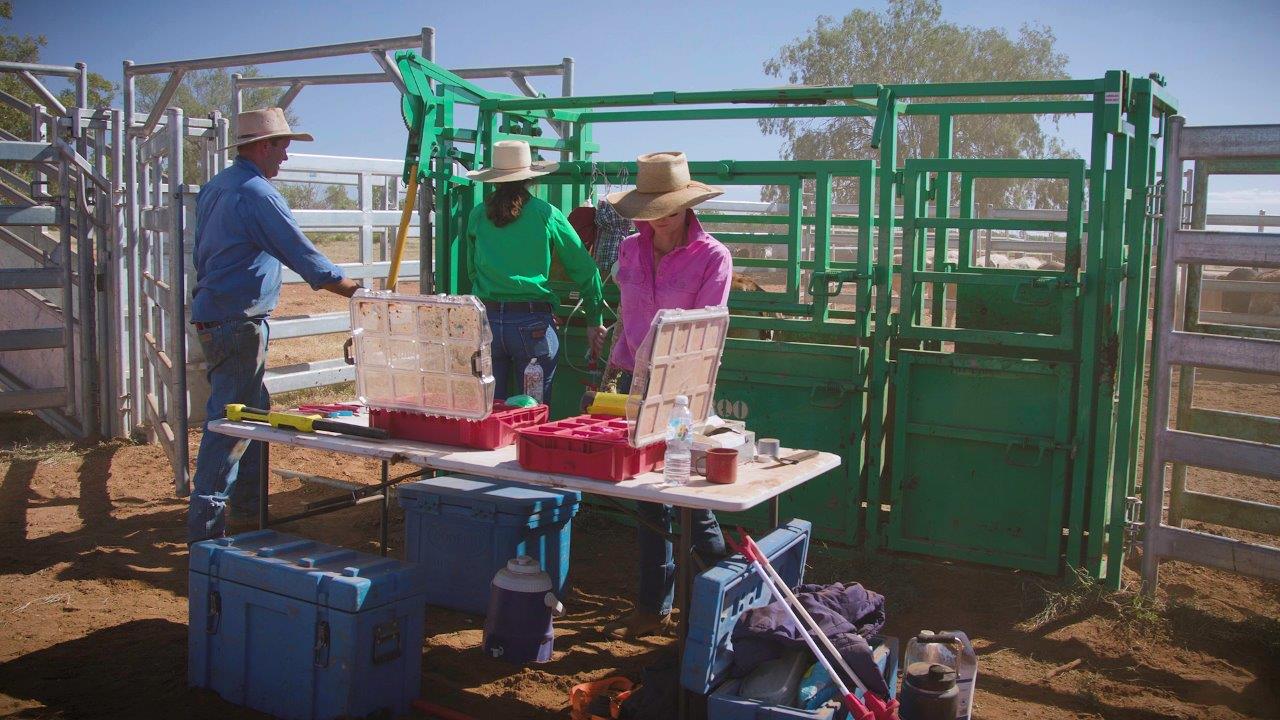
<point x="1003" y="431"/>
<point x="983" y="443"/>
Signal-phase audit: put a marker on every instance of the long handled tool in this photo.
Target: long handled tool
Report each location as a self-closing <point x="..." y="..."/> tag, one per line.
<point x="856" y="709"/>
<point x="878" y="707"/>
<point x="411" y="196"/>
<point x="301" y="423"/>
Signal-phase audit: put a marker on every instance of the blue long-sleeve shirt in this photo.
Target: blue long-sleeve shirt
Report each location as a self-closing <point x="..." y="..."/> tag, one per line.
<point x="244" y="230"/>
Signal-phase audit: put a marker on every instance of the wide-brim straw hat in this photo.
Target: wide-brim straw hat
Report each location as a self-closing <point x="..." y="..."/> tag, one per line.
<point x="512" y="161"/>
<point x="263" y="124"/>
<point x="663" y="187"/>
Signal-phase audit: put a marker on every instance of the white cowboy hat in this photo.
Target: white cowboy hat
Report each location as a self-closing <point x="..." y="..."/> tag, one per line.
<point x="663" y="186"/>
<point x="512" y="161"/>
<point x="263" y="124"/>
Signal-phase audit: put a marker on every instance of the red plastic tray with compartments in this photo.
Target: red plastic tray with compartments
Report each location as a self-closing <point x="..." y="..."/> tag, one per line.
<point x="495" y="431"/>
<point x="593" y="446"/>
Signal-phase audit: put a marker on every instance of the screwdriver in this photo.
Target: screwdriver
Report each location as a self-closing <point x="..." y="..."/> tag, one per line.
<point x="301" y="423"/>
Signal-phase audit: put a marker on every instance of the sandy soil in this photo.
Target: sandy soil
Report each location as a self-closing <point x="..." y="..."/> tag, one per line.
<point x="93" y="605"/>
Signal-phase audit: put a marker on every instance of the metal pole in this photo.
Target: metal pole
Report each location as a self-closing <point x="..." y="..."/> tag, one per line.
<point x="237" y="107"/>
<point x="386" y="508"/>
<point x="566" y="80"/>
<point x="133" y="272"/>
<point x="177" y="329"/>
<point x="426" y="197"/>
<point x="272" y="56"/>
<point x="119" y="280"/>
<point x="90" y="409"/>
<point x="429" y="43"/>
<point x="82" y="85"/>
<point x="1158" y="411"/>
<point x="264" y="486"/>
<point x="684" y="599"/>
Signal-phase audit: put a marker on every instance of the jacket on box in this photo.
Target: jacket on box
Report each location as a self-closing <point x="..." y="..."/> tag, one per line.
<point x="847" y="614"/>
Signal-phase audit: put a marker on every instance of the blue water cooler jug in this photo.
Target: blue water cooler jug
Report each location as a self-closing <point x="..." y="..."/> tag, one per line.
<point x="521" y="606"/>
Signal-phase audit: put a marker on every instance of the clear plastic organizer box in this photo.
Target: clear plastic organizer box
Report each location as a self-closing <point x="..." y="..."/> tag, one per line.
<point x="423" y="353"/>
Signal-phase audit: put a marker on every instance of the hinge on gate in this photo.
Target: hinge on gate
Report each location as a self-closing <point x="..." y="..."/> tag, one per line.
<point x="1133" y="522"/>
<point x="322" y="644"/>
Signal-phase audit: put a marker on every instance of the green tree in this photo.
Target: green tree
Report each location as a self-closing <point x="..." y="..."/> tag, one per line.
<point x="26" y="49"/>
<point x="909" y="42"/>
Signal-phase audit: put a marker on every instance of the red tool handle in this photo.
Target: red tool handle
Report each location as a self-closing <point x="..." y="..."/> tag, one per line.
<point x="878" y="708"/>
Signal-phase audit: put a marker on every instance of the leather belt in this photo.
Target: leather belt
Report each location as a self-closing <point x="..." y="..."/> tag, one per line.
<point x="519" y="306"/>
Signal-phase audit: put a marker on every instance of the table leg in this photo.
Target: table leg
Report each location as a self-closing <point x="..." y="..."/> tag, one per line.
<point x="684" y="599"/>
<point x="775" y="517"/>
<point x="386" y="505"/>
<point x="264" y="481"/>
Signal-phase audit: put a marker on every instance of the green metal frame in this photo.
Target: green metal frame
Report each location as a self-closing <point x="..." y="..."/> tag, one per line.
<point x="848" y="359"/>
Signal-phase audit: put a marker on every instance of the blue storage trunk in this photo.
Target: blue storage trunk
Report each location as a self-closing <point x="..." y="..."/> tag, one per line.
<point x="464" y="529"/>
<point x="303" y="630"/>
<point x="720" y="596"/>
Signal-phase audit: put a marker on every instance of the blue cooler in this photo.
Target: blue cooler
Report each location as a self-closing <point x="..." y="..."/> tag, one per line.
<point x="464" y="529"/>
<point x="723" y="593"/>
<point x="303" y="630"/>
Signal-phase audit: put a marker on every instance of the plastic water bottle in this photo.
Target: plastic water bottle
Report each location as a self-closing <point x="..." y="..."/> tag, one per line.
<point x="533" y="380"/>
<point x="679" y="441"/>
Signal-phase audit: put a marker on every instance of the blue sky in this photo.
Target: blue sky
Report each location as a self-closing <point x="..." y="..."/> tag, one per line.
<point x="1218" y="57"/>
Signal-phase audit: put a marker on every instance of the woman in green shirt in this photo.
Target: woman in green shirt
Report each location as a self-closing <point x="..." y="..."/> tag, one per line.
<point x="510" y="239"/>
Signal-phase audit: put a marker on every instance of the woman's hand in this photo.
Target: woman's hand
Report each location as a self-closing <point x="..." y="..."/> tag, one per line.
<point x="596" y="337"/>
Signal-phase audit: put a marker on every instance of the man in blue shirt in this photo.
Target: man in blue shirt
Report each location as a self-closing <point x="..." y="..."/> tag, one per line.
<point x="244" y="231"/>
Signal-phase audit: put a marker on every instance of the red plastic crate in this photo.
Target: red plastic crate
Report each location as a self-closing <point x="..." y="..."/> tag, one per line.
<point x="497" y="430"/>
<point x="593" y="446"/>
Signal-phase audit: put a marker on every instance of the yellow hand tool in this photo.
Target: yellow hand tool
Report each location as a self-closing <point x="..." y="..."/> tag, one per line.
<point x="300" y="422"/>
<point x="411" y="196"/>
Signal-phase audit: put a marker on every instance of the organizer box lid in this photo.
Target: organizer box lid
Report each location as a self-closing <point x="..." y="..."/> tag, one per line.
<point x="680" y="355"/>
<point x="488" y="496"/>
<point x="724" y="592"/>
<point x="315" y="572"/>
<point x="423" y="353"/>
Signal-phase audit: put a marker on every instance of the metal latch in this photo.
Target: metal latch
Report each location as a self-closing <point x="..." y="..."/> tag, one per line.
<point x="214" y="619"/>
<point x="820" y="281"/>
<point x="322" y="644"/>
<point x="384" y="635"/>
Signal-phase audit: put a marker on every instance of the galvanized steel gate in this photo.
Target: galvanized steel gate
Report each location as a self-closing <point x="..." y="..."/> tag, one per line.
<point x="161" y="327"/>
<point x="1231" y="442"/>
<point x="58" y="217"/>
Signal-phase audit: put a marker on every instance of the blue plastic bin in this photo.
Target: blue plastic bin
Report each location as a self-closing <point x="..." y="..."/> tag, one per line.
<point x="464" y="529"/>
<point x="720" y="596"/>
<point x="304" y="630"/>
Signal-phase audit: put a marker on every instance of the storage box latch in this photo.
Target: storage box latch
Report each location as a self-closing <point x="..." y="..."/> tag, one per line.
<point x="386" y="642"/>
<point x="214" y="619"/>
<point x="483" y="511"/>
<point x="322" y="644"/>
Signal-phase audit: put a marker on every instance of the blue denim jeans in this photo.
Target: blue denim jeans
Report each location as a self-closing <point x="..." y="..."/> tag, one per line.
<point x="236" y="352"/>
<point x="657" y="565"/>
<point x="519" y="336"/>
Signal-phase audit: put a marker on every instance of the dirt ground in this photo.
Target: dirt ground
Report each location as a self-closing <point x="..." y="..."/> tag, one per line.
<point x="93" y="610"/>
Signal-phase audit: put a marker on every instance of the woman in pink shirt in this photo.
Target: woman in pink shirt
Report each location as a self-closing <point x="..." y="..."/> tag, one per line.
<point x="670" y="263"/>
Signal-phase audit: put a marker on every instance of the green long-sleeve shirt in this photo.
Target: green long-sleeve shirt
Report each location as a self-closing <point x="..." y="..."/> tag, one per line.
<point x="513" y="263"/>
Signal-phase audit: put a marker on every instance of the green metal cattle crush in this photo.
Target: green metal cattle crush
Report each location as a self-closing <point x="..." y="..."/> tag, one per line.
<point x="998" y="427"/>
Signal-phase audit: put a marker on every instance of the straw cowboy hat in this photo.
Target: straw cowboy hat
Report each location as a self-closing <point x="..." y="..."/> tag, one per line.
<point x="512" y="161"/>
<point x="263" y="124"/>
<point x="662" y="187"/>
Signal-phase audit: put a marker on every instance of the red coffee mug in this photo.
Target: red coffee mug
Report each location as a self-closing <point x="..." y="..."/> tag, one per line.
<point x="719" y="465"/>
